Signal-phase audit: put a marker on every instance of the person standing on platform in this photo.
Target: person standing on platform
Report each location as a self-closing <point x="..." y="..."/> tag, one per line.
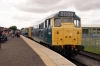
<point x="0" y="37"/>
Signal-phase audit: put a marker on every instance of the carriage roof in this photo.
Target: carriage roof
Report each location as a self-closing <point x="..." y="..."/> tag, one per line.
<point x="56" y="15"/>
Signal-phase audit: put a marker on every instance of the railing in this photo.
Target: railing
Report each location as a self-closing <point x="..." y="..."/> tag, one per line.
<point x="91" y="42"/>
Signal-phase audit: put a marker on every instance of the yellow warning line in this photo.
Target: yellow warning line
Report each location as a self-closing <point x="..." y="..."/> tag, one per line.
<point x="45" y="58"/>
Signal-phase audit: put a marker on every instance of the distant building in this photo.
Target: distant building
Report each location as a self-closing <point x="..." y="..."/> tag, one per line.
<point x="1" y="28"/>
<point x="5" y="29"/>
<point x="91" y="29"/>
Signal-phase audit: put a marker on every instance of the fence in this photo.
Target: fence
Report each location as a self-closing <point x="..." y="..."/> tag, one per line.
<point x="91" y="42"/>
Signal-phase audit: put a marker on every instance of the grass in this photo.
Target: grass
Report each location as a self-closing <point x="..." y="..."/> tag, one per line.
<point x="92" y="44"/>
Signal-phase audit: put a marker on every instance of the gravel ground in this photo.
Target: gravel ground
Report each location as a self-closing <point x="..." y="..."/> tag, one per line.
<point x="15" y="52"/>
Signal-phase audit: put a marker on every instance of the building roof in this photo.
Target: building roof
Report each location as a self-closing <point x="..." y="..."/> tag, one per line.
<point x="1" y="28"/>
<point x="91" y="25"/>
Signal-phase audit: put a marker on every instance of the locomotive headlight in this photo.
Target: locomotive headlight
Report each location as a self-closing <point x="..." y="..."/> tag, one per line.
<point x="77" y="32"/>
<point x="57" y="32"/>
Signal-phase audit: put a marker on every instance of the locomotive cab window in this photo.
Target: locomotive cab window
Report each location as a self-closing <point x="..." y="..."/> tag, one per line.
<point x="57" y="22"/>
<point x="67" y="20"/>
<point x="77" y="23"/>
<point x="48" y="23"/>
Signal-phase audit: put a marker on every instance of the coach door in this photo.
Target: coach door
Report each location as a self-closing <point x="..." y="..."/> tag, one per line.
<point x="48" y="29"/>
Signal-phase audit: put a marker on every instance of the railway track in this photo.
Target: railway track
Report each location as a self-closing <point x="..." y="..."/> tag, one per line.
<point x="91" y="55"/>
<point x="73" y="60"/>
<point x="87" y="58"/>
<point x="77" y="62"/>
<point x="83" y="58"/>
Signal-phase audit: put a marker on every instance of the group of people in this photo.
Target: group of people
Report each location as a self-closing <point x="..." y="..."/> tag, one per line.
<point x="5" y="34"/>
<point x="0" y="34"/>
<point x="11" y="33"/>
<point x="14" y="33"/>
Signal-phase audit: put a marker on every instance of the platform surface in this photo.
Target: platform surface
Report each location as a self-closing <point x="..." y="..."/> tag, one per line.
<point x="49" y="57"/>
<point x="16" y="52"/>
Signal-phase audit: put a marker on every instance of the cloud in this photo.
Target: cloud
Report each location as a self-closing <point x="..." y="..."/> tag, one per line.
<point x="26" y="16"/>
<point x="42" y="6"/>
<point x="84" y="5"/>
<point x="24" y="13"/>
<point x="6" y="22"/>
<point x="22" y="17"/>
<point x="45" y="2"/>
<point x="52" y="5"/>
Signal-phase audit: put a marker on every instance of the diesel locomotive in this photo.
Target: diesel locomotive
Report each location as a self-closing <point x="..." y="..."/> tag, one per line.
<point x="61" y="31"/>
<point x="27" y="32"/>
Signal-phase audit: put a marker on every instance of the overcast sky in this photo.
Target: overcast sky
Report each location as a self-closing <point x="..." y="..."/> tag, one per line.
<point x="24" y="13"/>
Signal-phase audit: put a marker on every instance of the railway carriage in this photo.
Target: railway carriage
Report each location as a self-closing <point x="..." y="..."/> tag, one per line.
<point x="30" y="32"/>
<point x="61" y="31"/>
<point x="25" y="32"/>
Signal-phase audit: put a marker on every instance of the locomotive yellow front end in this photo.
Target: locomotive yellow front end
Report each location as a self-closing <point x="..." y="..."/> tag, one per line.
<point x="67" y="33"/>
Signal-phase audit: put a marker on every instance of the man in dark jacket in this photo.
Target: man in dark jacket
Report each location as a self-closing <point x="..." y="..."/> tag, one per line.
<point x="0" y="37"/>
<point x="0" y="34"/>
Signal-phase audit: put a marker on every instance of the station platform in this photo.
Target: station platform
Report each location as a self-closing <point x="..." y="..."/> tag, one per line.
<point x="25" y="52"/>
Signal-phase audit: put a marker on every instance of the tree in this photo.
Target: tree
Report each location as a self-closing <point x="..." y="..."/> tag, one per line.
<point x="22" y="28"/>
<point x="13" y="28"/>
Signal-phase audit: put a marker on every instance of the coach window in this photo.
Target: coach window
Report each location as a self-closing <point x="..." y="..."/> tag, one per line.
<point x="77" y="23"/>
<point x="42" y="26"/>
<point x="49" y="22"/>
<point x="57" y="22"/>
<point x="45" y="23"/>
<point x="39" y="26"/>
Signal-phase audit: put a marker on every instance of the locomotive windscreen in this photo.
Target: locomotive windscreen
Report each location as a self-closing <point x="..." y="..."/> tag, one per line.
<point x="66" y="14"/>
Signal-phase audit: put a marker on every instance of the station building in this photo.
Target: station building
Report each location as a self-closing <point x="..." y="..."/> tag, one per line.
<point x="91" y="29"/>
